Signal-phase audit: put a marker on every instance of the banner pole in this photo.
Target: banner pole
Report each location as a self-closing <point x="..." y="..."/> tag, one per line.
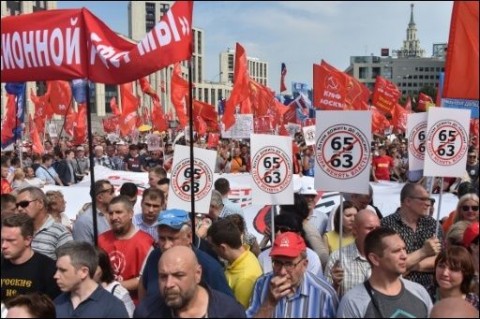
<point x="439" y="208"/>
<point x="90" y="156"/>
<point x="190" y="123"/>
<point x="340" y="230"/>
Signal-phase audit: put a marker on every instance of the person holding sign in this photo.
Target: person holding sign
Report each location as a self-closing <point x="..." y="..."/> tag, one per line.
<point x="332" y="238"/>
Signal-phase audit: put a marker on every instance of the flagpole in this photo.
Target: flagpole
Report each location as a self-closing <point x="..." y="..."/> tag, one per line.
<point x="90" y="156"/>
<point x="439" y="208"/>
<point x="190" y="123"/>
<point x="65" y="116"/>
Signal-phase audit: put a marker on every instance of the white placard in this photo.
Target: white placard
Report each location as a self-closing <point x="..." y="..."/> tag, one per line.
<point x="309" y="135"/>
<point x="52" y="129"/>
<point x="447" y="142"/>
<point x="416" y="134"/>
<point x="242" y="128"/>
<point x="342" y="151"/>
<point x="271" y="171"/>
<point x="154" y="142"/>
<point x="179" y="193"/>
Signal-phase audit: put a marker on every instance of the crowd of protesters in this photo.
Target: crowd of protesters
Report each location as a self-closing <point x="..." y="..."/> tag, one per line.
<point x="154" y="263"/>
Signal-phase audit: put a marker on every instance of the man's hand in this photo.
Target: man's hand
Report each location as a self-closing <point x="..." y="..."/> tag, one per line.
<point x="279" y="288"/>
<point x="431" y="247"/>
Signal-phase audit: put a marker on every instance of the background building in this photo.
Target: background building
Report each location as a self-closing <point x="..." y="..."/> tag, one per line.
<point x="257" y="69"/>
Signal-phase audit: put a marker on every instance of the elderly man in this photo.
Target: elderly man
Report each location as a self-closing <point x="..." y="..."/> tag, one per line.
<point x="48" y="234"/>
<point x="127" y="246"/>
<point x="182" y="292"/>
<point x="101" y="158"/>
<point x="386" y="294"/>
<point x="290" y="291"/>
<point x="82" y="296"/>
<point x="414" y="225"/>
<point x="354" y="267"/>
<point x="174" y="229"/>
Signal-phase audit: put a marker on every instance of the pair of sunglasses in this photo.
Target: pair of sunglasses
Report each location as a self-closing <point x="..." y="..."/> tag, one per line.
<point x="467" y="208"/>
<point x="25" y="203"/>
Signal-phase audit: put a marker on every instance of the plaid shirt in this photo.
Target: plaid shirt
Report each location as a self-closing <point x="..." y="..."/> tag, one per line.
<point x="356" y="268"/>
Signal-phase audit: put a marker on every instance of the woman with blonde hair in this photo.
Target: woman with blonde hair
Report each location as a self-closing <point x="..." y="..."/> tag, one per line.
<point x="19" y="180"/>
<point x="467" y="208"/>
<point x="56" y="208"/>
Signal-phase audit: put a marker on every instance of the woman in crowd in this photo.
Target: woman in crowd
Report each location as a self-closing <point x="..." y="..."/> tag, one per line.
<point x="454" y="273"/>
<point x="332" y="238"/>
<point x="19" y="180"/>
<point x="56" y="208"/>
<point x="467" y="208"/>
<point x="33" y="305"/>
<point x="105" y="277"/>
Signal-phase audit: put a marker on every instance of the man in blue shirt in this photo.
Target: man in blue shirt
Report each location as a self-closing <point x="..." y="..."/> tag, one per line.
<point x="82" y="296"/>
<point x="290" y="291"/>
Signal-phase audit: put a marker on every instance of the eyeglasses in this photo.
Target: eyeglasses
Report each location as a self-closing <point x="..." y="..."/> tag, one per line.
<point x="289" y="266"/>
<point x="467" y="208"/>
<point x="25" y="203"/>
<point x="111" y="190"/>
<point x="423" y="199"/>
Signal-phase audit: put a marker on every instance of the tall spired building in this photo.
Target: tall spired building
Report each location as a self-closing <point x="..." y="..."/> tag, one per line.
<point x="411" y="46"/>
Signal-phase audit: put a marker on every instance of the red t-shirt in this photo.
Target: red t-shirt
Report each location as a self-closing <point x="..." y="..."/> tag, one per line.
<point x="127" y="256"/>
<point x="382" y="166"/>
<point x="6" y="188"/>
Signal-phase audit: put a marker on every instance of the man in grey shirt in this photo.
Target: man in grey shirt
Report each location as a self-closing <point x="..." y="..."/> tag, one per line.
<point x="386" y="294"/>
<point x="83" y="227"/>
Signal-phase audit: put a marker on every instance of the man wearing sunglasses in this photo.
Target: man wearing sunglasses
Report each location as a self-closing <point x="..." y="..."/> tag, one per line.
<point x="290" y="291"/>
<point x="48" y="234"/>
<point x="103" y="193"/>
<point x="414" y="225"/>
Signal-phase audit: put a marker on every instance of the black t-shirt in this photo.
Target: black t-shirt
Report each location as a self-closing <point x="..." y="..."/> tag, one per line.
<point x="35" y="275"/>
<point x="133" y="163"/>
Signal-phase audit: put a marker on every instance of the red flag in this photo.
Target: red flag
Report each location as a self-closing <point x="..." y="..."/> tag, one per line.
<point x="43" y="110"/>
<point x="329" y="87"/>
<point x="130" y="102"/>
<point x="424" y="102"/>
<point x="385" y="95"/>
<point x="8" y="123"/>
<point x="399" y="119"/>
<point x="37" y="146"/>
<point x="78" y="45"/>
<point x="379" y="122"/>
<point x="207" y="113"/>
<point x="147" y="88"/>
<point x="114" y="106"/>
<point x="240" y="91"/>
<point x="145" y="115"/>
<point x="70" y="121"/>
<point x="357" y="95"/>
<point x="261" y="98"/>
<point x="213" y="139"/>
<point x="179" y="90"/>
<point x="110" y="124"/>
<point x="80" y="129"/>
<point x="127" y="123"/>
<point x="290" y="116"/>
<point x="159" y="120"/>
<point x="283" y="72"/>
<point x="462" y="61"/>
<point x="60" y="96"/>
<point x="408" y="105"/>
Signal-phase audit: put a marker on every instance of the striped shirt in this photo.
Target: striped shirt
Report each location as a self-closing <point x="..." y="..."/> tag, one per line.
<point x="315" y="298"/>
<point x="149" y="229"/>
<point x="49" y="237"/>
<point x="356" y="268"/>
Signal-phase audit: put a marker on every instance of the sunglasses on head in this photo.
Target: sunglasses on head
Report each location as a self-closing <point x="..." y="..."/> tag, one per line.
<point x="25" y="203"/>
<point x="467" y="208"/>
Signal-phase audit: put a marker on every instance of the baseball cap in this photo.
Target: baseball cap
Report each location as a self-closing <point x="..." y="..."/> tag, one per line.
<point x="173" y="218"/>
<point x="308" y="191"/>
<point x="470" y="234"/>
<point x="288" y="244"/>
<point x="80" y="148"/>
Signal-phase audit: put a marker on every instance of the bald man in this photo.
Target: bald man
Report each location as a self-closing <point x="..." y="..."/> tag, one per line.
<point x="453" y="308"/>
<point x="183" y="294"/>
<point x="354" y="268"/>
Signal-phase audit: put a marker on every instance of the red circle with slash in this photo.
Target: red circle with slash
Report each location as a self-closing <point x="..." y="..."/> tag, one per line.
<point x="203" y="179"/>
<point x="272" y="169"/>
<point x="447" y="142"/>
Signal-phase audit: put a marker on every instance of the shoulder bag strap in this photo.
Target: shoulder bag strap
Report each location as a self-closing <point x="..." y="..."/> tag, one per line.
<point x="369" y="289"/>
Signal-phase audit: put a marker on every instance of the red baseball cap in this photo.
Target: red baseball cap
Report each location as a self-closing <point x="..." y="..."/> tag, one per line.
<point x="470" y="234"/>
<point x="288" y="244"/>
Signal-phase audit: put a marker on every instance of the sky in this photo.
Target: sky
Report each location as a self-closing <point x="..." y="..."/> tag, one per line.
<point x="298" y="33"/>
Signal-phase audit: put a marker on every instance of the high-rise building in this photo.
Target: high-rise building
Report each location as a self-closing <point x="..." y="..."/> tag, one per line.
<point x="258" y="70"/>
<point x="408" y="69"/>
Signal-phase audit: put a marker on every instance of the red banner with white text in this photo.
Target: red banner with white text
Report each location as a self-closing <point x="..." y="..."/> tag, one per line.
<point x="50" y="45"/>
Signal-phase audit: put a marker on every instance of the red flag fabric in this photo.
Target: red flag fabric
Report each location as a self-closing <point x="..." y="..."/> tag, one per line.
<point x="179" y="92"/>
<point x="130" y="102"/>
<point x="213" y="139"/>
<point x="8" y="123"/>
<point x="207" y="113"/>
<point x="462" y="61"/>
<point x="283" y="72"/>
<point x="357" y="95"/>
<point x="240" y="91"/>
<point x="290" y="116"/>
<point x="379" y="122"/>
<point x="408" y="105"/>
<point x="80" y="129"/>
<point x="329" y="87"/>
<point x="43" y="110"/>
<point x="111" y="123"/>
<point x="159" y="120"/>
<point x="37" y="146"/>
<point x="70" y="121"/>
<point x="385" y="95"/>
<point x="399" y="119"/>
<point x="60" y="96"/>
<point x="78" y="45"/>
<point x="261" y="98"/>
<point x="114" y="106"/>
<point x="128" y="123"/>
<point x="147" y="88"/>
<point x="145" y="115"/>
<point x="424" y="102"/>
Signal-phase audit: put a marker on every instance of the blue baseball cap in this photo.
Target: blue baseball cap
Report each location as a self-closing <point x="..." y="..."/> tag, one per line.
<point x="173" y="218"/>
